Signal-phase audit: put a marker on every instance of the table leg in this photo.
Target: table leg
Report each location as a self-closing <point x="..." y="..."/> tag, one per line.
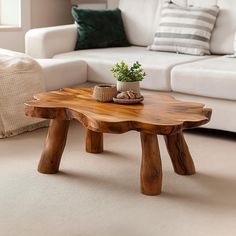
<point x="179" y="154"/>
<point x="151" y="169"/>
<point x="94" y="142"/>
<point x="54" y="146"/>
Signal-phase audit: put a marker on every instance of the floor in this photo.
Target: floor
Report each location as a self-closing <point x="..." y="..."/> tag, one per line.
<point x="98" y="195"/>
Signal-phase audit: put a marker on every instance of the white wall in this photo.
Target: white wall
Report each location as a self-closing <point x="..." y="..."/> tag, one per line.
<point x="35" y="13"/>
<point x="46" y="13"/>
<point x="39" y="13"/>
<point x="14" y="39"/>
<point x="112" y="3"/>
<point x="12" y="6"/>
<point x="87" y="1"/>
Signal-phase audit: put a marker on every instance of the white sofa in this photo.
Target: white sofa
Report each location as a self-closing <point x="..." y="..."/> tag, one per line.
<point x="209" y="79"/>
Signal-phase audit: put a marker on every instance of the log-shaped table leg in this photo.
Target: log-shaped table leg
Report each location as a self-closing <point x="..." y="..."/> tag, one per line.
<point x="94" y="142"/>
<point x="179" y="154"/>
<point x="54" y="146"/>
<point x="151" y="169"/>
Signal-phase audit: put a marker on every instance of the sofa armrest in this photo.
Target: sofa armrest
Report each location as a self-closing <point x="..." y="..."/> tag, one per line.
<point x="47" y="42"/>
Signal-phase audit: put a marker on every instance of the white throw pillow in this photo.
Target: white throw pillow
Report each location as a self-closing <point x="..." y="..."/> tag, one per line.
<point x="185" y="29"/>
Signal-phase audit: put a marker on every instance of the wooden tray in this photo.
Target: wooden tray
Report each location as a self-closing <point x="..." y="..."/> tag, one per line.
<point x="128" y="101"/>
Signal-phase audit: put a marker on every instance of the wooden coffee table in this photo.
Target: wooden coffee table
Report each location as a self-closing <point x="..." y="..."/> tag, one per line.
<point x="159" y="114"/>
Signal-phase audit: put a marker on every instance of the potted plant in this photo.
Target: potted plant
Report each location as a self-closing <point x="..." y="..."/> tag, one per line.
<point x="128" y="77"/>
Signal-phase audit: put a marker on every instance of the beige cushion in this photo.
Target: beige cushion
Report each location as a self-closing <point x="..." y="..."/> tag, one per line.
<point x="211" y="78"/>
<point x="20" y="79"/>
<point x="156" y="64"/>
<point x="223" y="33"/>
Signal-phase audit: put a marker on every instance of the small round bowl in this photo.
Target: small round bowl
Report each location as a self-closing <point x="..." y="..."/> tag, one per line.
<point x="104" y="92"/>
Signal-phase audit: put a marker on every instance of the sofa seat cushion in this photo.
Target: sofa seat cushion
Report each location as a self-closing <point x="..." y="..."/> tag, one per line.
<point x="157" y="65"/>
<point x="63" y="73"/>
<point x="214" y="78"/>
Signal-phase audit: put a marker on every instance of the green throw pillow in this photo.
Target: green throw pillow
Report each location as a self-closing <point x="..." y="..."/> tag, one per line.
<point x="99" y="28"/>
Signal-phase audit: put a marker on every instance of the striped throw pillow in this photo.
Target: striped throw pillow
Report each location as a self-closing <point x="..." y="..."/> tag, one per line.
<point x="185" y="29"/>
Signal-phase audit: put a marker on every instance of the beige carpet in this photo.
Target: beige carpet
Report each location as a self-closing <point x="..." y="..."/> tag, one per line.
<point x="98" y="195"/>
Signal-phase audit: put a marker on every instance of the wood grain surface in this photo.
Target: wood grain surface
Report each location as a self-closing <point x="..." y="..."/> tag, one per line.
<point x="179" y="154"/>
<point x="151" y="169"/>
<point x="54" y="147"/>
<point x="94" y="142"/>
<point x="158" y="114"/>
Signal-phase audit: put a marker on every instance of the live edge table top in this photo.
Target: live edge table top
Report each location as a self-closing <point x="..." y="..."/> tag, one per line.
<point x="157" y="114"/>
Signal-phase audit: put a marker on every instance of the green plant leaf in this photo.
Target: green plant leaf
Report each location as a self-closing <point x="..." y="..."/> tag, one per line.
<point x="122" y="72"/>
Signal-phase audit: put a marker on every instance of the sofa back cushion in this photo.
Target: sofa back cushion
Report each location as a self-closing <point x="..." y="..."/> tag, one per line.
<point x="138" y="17"/>
<point x="141" y="18"/>
<point x="235" y="43"/>
<point x="223" y="34"/>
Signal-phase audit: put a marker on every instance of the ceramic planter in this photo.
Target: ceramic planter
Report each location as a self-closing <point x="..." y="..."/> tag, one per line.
<point x="125" y="86"/>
